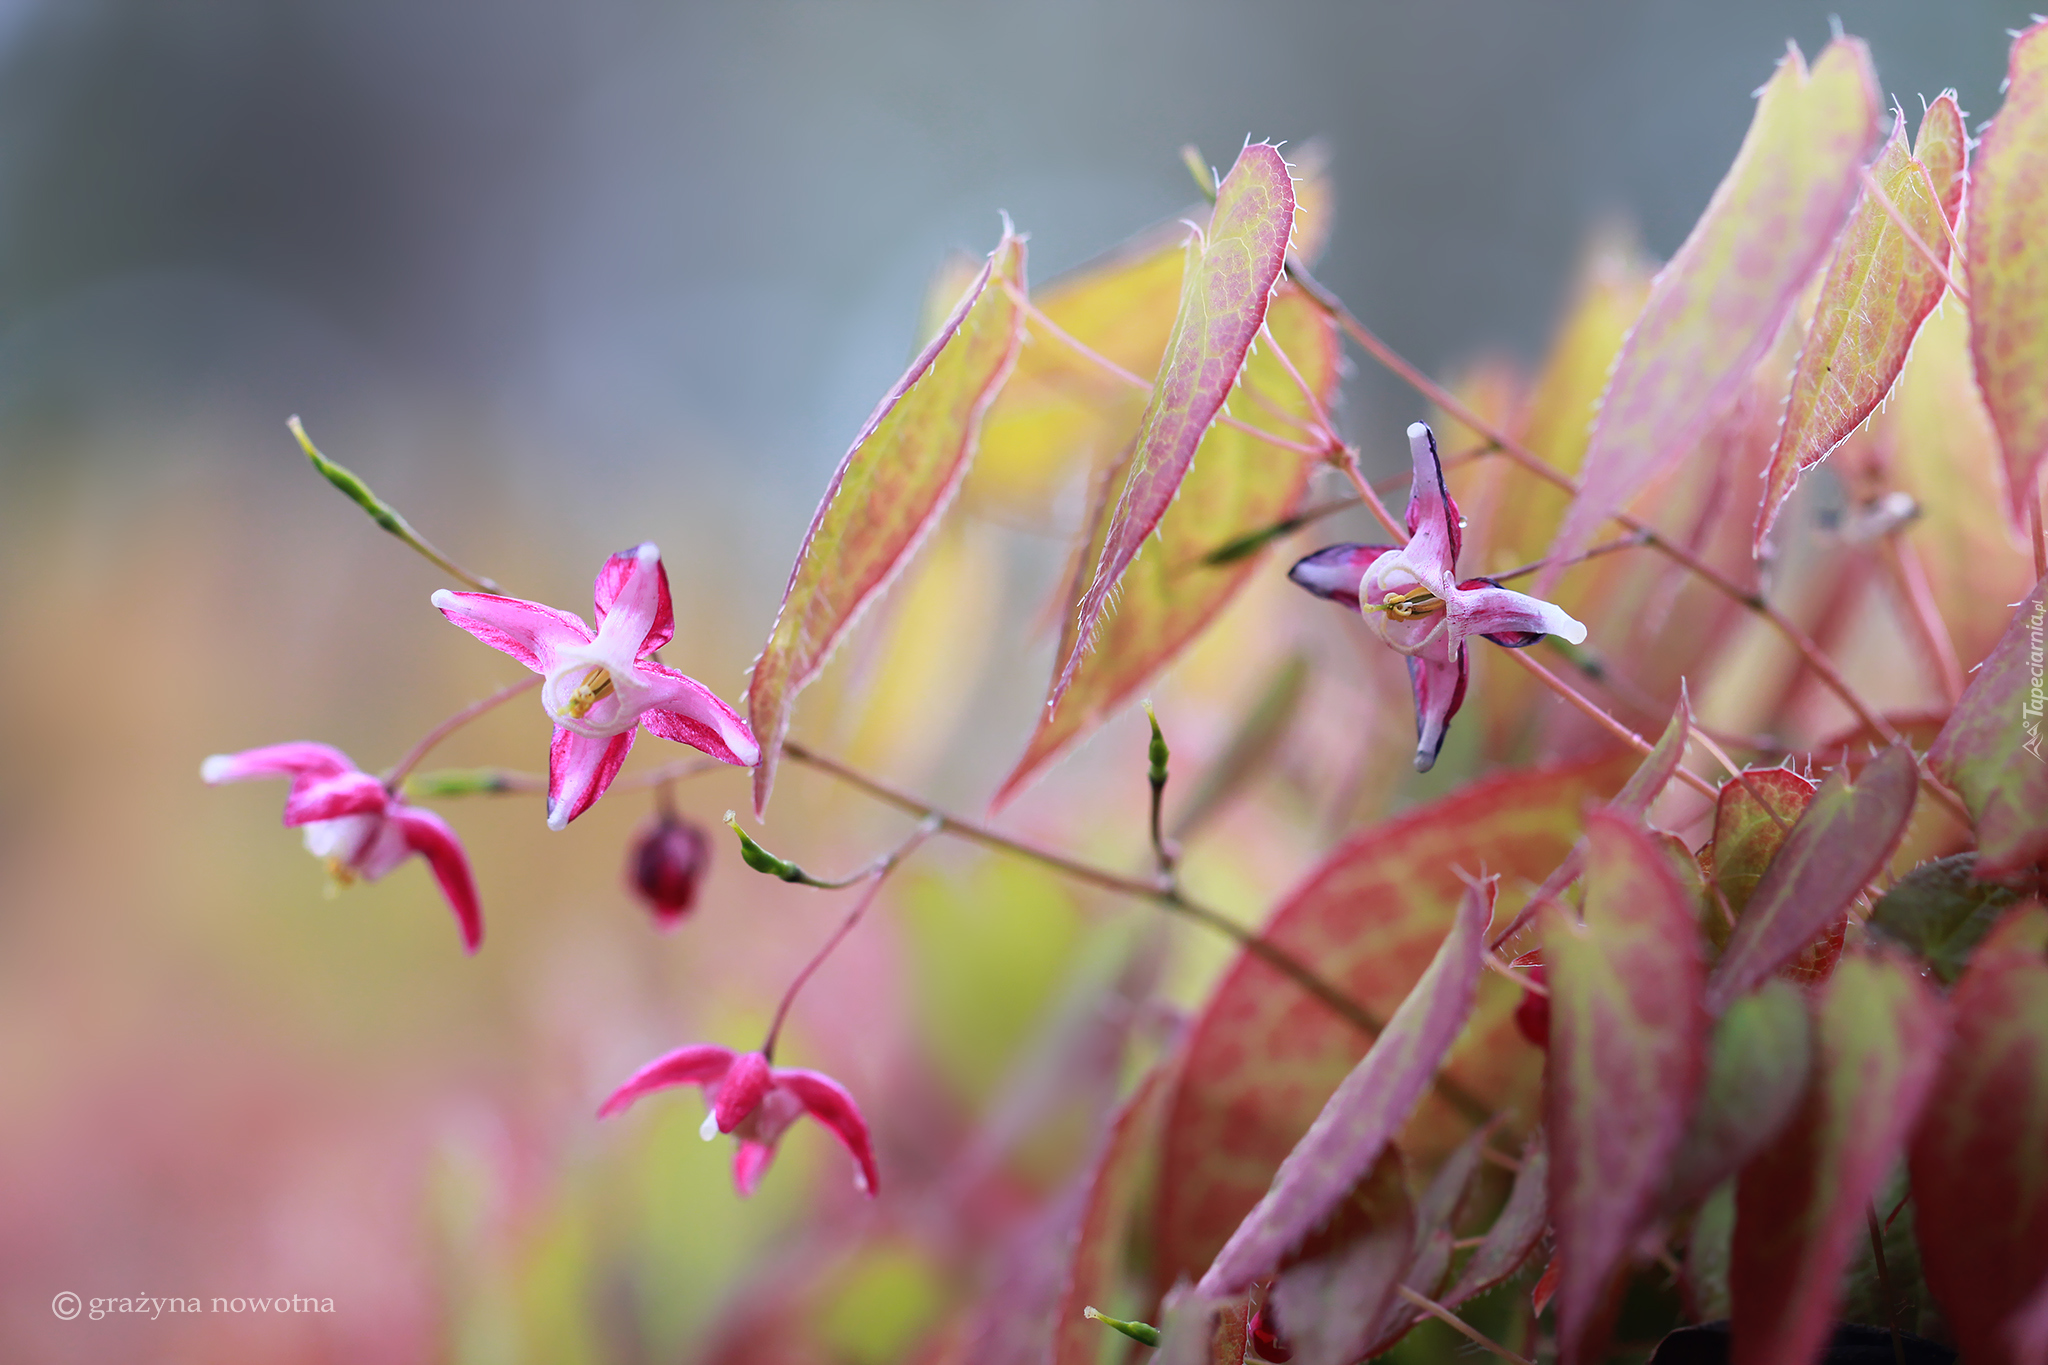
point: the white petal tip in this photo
(647, 552)
(215, 768)
(1575, 635)
(1424, 761)
(1418, 431)
(442, 599)
(709, 1128)
(557, 822)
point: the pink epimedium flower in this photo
(356, 825)
(756, 1103)
(601, 685)
(1413, 599)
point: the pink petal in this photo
(1335, 571)
(529, 631)
(830, 1104)
(739, 1094)
(329, 798)
(697, 1064)
(1439, 686)
(428, 835)
(688, 712)
(749, 1164)
(1432, 516)
(620, 575)
(300, 758)
(1484, 607)
(579, 769)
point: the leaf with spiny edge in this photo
(1991, 749)
(887, 494)
(1717, 308)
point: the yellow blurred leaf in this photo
(1237, 483)
(2009, 268)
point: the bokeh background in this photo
(557, 278)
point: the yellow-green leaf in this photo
(1229, 279)
(887, 494)
(1237, 484)
(2009, 268)
(1877, 291)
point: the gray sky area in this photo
(634, 233)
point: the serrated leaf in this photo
(1843, 840)
(1516, 1230)
(1979, 1159)
(1874, 295)
(1758, 1061)
(887, 494)
(2009, 268)
(1943, 147)
(1627, 1048)
(1262, 1057)
(1228, 283)
(1331, 1297)
(1059, 411)
(1991, 752)
(1939, 912)
(1715, 310)
(1878, 1035)
(1169, 595)
(1122, 1177)
(1369, 1107)
(1752, 816)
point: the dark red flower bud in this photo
(669, 858)
(1266, 1339)
(1532, 1016)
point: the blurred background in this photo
(557, 278)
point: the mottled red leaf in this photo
(2009, 268)
(1990, 751)
(1716, 309)
(1843, 840)
(1800, 1204)
(1627, 1048)
(1874, 295)
(1752, 816)
(1263, 1055)
(1980, 1157)
(1331, 1298)
(887, 494)
(1369, 1107)
(1230, 275)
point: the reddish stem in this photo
(451, 725)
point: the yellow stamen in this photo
(339, 877)
(596, 685)
(1409, 606)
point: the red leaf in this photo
(2009, 268)
(1752, 816)
(1122, 1177)
(1878, 1035)
(1716, 309)
(1845, 837)
(1372, 1104)
(1980, 1157)
(1990, 750)
(1627, 1049)
(1263, 1056)
(1516, 1229)
(1330, 1300)
(1229, 280)
(887, 494)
